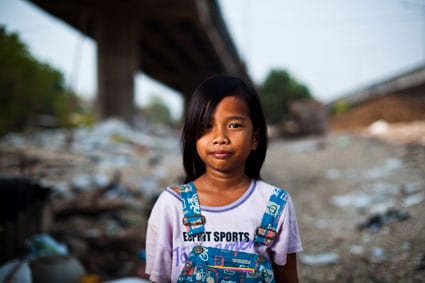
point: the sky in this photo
(332, 46)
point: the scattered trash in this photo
(378, 255)
(319, 259)
(378, 127)
(357, 250)
(411, 188)
(413, 199)
(54, 269)
(103, 182)
(380, 197)
(376, 222)
(44, 245)
(405, 246)
(420, 263)
(388, 167)
(333, 174)
(354, 199)
(90, 278)
(15, 271)
(306, 146)
(142, 254)
(129, 280)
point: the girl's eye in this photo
(235, 125)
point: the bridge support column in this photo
(116, 36)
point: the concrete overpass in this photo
(176, 42)
(411, 82)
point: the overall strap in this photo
(266, 232)
(193, 219)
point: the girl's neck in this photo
(220, 182)
(220, 190)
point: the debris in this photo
(129, 280)
(413, 199)
(420, 263)
(320, 259)
(308, 116)
(376, 222)
(15, 271)
(53, 269)
(45, 245)
(378, 255)
(388, 167)
(357, 250)
(354, 199)
(378, 127)
(343, 141)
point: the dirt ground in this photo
(391, 108)
(343, 180)
(368, 172)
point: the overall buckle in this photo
(194, 220)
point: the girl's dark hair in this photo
(201, 108)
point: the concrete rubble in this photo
(104, 180)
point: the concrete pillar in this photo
(116, 35)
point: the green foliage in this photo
(277, 91)
(340, 106)
(157, 112)
(28, 88)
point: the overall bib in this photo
(209, 264)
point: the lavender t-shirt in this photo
(230, 227)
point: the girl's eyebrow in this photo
(236, 118)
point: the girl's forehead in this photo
(231, 104)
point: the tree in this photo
(278, 89)
(28, 88)
(157, 112)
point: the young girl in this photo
(224, 143)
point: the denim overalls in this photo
(209, 264)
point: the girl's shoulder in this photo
(169, 196)
(267, 188)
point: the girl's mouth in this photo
(221, 154)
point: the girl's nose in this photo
(220, 137)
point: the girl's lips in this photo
(221, 154)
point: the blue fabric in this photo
(208, 264)
(193, 220)
(265, 234)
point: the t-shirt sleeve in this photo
(159, 241)
(288, 238)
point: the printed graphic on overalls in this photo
(279, 194)
(209, 276)
(188, 268)
(272, 208)
(204, 254)
(192, 204)
(185, 188)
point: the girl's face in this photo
(229, 138)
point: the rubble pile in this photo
(308, 117)
(104, 181)
(399, 133)
(395, 108)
